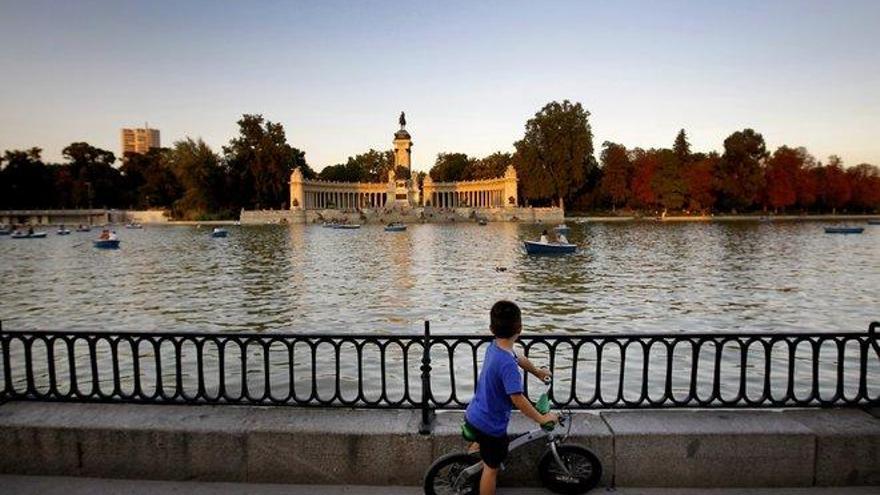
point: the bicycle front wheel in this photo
(445, 476)
(582, 470)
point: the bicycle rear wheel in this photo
(584, 470)
(444, 477)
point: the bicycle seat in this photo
(467, 432)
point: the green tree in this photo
(555, 156)
(372, 166)
(682, 148)
(489, 167)
(149, 179)
(260, 162)
(616, 174)
(341, 172)
(668, 182)
(451, 167)
(739, 175)
(202, 180)
(96, 183)
(25, 181)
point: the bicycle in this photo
(564, 468)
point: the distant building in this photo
(139, 140)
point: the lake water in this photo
(626, 277)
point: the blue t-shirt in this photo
(500, 378)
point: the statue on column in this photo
(402, 120)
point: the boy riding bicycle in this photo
(499, 389)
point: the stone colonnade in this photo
(318, 198)
(322, 195)
(490, 193)
(319, 195)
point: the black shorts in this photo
(493, 450)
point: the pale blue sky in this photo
(469, 74)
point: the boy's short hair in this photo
(505, 319)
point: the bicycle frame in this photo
(532, 436)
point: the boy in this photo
(499, 388)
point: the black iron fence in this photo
(431, 371)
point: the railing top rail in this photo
(443, 336)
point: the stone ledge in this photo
(706, 448)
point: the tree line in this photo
(556, 165)
(554, 160)
(189, 178)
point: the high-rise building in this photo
(139, 140)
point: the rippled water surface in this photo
(626, 277)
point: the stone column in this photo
(510, 187)
(297, 192)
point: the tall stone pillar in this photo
(297, 194)
(510, 181)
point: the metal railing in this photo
(431, 371)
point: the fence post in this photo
(872, 334)
(427, 412)
(4, 350)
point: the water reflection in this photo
(633, 277)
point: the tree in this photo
(834, 190)
(342, 172)
(668, 182)
(698, 175)
(682, 148)
(260, 162)
(450, 167)
(25, 181)
(555, 155)
(95, 181)
(202, 179)
(490, 167)
(150, 180)
(616, 174)
(740, 177)
(782, 172)
(644, 167)
(865, 182)
(806, 183)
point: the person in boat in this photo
(544, 238)
(112, 236)
(105, 235)
(30, 230)
(560, 238)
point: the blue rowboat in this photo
(107, 244)
(844, 230)
(549, 248)
(135, 226)
(563, 229)
(395, 227)
(25, 235)
(874, 222)
(216, 233)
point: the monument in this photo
(402, 198)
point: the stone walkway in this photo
(59, 485)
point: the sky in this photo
(468, 74)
